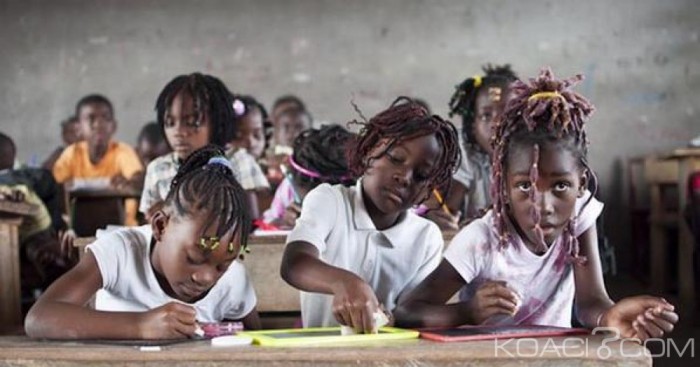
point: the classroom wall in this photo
(641, 59)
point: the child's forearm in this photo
(424, 314)
(590, 314)
(302, 269)
(59, 320)
(252, 321)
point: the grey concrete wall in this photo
(641, 59)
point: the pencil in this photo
(441, 201)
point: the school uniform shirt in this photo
(161, 171)
(393, 261)
(544, 282)
(129, 282)
(474, 172)
(120, 158)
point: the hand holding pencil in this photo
(443, 216)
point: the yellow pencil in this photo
(441, 202)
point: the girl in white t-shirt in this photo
(159, 281)
(530, 258)
(355, 248)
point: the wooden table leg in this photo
(10, 291)
(658, 242)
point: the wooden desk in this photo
(20, 351)
(11, 214)
(672, 169)
(95, 209)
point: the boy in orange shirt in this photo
(98, 156)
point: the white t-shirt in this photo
(544, 282)
(334, 219)
(129, 283)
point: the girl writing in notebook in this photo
(159, 280)
(354, 249)
(535, 253)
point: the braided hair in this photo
(463, 101)
(210, 96)
(205, 181)
(405, 120)
(319, 155)
(542, 111)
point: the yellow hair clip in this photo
(209, 243)
(543, 95)
(477, 81)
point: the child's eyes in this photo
(561, 186)
(193, 261)
(394, 159)
(524, 186)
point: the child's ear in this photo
(584, 183)
(158, 223)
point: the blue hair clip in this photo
(222, 161)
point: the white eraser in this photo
(198, 331)
(231, 341)
(380, 320)
(150, 348)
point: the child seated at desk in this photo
(354, 249)
(100, 157)
(41, 232)
(319, 157)
(479, 101)
(157, 281)
(194, 110)
(535, 253)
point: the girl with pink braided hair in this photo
(526, 261)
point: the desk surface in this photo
(105, 193)
(16, 208)
(21, 351)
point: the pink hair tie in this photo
(313, 174)
(238, 107)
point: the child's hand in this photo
(289, 219)
(641, 317)
(120, 182)
(354, 304)
(67, 239)
(13, 195)
(171, 321)
(492, 298)
(444, 220)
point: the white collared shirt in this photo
(334, 219)
(129, 283)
